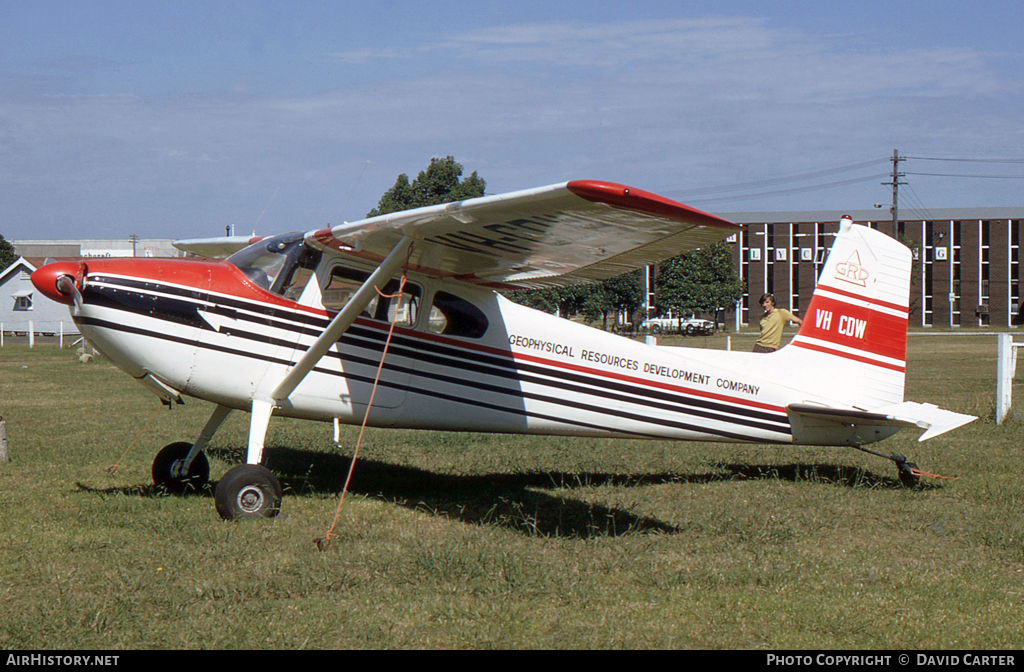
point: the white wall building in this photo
(23, 309)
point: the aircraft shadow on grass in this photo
(524, 502)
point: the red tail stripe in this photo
(857, 327)
(861, 297)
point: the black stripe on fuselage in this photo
(442, 355)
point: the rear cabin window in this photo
(451, 315)
(384, 306)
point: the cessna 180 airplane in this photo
(295, 325)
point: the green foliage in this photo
(594, 301)
(504, 542)
(564, 301)
(701, 281)
(623, 293)
(7, 255)
(439, 183)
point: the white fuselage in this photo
(529, 372)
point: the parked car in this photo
(673, 325)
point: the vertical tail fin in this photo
(851, 347)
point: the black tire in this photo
(907, 477)
(690, 329)
(248, 491)
(165, 469)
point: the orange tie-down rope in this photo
(924, 474)
(113, 468)
(323, 542)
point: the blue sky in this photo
(175, 119)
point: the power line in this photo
(784, 192)
(932, 158)
(989, 177)
(712, 193)
(801, 177)
(914, 203)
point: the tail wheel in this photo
(248, 491)
(168, 472)
(908, 473)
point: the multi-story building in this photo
(967, 262)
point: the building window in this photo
(23, 302)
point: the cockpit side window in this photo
(291, 281)
(452, 315)
(282, 264)
(341, 285)
(403, 310)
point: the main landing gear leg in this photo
(251, 490)
(180, 466)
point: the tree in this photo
(701, 281)
(621, 294)
(565, 301)
(7, 255)
(439, 183)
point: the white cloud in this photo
(666, 105)
(363, 56)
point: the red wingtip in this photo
(619, 195)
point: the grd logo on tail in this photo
(852, 271)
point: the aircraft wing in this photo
(217, 247)
(561, 234)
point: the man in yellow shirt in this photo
(772, 322)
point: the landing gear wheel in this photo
(248, 491)
(907, 470)
(167, 465)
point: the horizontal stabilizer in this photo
(929, 417)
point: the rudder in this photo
(853, 341)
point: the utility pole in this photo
(135, 239)
(895, 184)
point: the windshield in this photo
(281, 264)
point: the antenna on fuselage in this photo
(266, 206)
(352, 192)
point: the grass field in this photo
(451, 540)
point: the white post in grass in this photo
(1006, 366)
(4, 457)
(31, 335)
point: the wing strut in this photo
(263, 406)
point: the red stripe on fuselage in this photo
(212, 277)
(518, 356)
